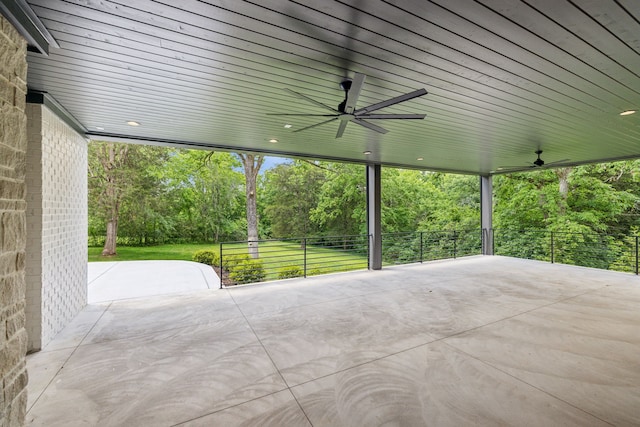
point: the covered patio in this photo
(483, 340)
(500, 86)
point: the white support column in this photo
(56, 223)
(374, 221)
(486, 214)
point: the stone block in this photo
(13, 354)
(15, 323)
(20, 96)
(6, 88)
(12, 189)
(7, 263)
(11, 33)
(13, 289)
(13, 225)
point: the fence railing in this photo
(289, 258)
(604, 251)
(309, 256)
(410, 247)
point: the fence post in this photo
(421, 246)
(221, 272)
(455, 244)
(304, 242)
(552, 248)
(636, 255)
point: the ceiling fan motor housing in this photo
(346, 85)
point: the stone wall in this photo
(56, 225)
(13, 145)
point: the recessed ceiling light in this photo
(273, 140)
(628, 112)
(132, 123)
(420, 158)
(99, 128)
(366, 152)
(287, 126)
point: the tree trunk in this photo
(563, 187)
(110, 241)
(111, 159)
(251, 164)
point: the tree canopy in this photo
(173, 195)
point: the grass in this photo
(182, 252)
(274, 254)
(319, 260)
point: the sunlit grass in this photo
(160, 252)
(274, 254)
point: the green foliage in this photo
(290, 271)
(125, 181)
(291, 191)
(316, 272)
(248, 271)
(207, 195)
(341, 206)
(229, 262)
(169, 195)
(207, 256)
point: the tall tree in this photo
(341, 208)
(291, 192)
(106, 175)
(206, 189)
(124, 179)
(251, 163)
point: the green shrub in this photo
(290, 271)
(229, 262)
(248, 271)
(315, 272)
(206, 256)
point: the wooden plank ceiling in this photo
(505, 78)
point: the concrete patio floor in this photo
(474, 341)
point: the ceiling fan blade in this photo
(514, 168)
(341, 128)
(302, 115)
(369, 125)
(311, 100)
(557, 162)
(392, 101)
(391, 116)
(317, 124)
(354, 93)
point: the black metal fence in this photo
(605, 251)
(289, 258)
(404, 248)
(309, 256)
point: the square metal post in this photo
(486, 214)
(374, 222)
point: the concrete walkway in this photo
(110, 281)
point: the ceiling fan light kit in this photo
(347, 112)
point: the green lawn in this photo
(159, 252)
(319, 260)
(274, 255)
